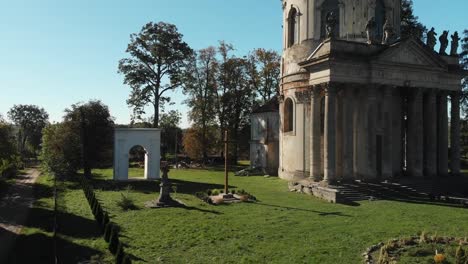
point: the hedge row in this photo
(110, 230)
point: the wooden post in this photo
(175, 151)
(226, 149)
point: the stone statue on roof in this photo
(443, 39)
(389, 32)
(370, 30)
(431, 38)
(330, 25)
(455, 44)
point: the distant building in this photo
(264, 144)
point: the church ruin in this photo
(359, 103)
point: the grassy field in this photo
(283, 227)
(79, 237)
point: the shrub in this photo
(105, 220)
(126, 259)
(120, 254)
(215, 192)
(126, 203)
(114, 240)
(108, 231)
(7, 169)
(209, 192)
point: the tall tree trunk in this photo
(156, 113)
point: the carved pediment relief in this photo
(411, 53)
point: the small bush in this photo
(108, 231)
(215, 192)
(209, 192)
(120, 253)
(126, 203)
(114, 240)
(105, 220)
(126, 259)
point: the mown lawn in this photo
(78, 239)
(283, 227)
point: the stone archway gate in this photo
(127, 138)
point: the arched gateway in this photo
(127, 138)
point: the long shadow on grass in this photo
(35, 248)
(304, 210)
(39, 248)
(149, 187)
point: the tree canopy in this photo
(30, 119)
(410, 26)
(464, 65)
(157, 55)
(86, 127)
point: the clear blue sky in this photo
(54, 53)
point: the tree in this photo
(61, 151)
(222, 88)
(200, 86)
(238, 98)
(157, 53)
(93, 123)
(170, 119)
(464, 65)
(410, 26)
(171, 134)
(192, 144)
(30, 119)
(264, 72)
(7, 143)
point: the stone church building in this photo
(357, 102)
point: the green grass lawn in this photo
(283, 227)
(78, 238)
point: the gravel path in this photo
(14, 208)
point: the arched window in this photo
(292, 27)
(288, 124)
(327, 7)
(379, 18)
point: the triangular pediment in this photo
(411, 52)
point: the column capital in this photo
(303, 97)
(330, 88)
(315, 90)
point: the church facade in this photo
(357, 102)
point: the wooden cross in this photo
(226, 164)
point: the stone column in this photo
(348, 131)
(397, 137)
(371, 139)
(442, 134)
(315, 134)
(455, 134)
(415, 142)
(339, 133)
(361, 134)
(387, 144)
(430, 134)
(330, 134)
